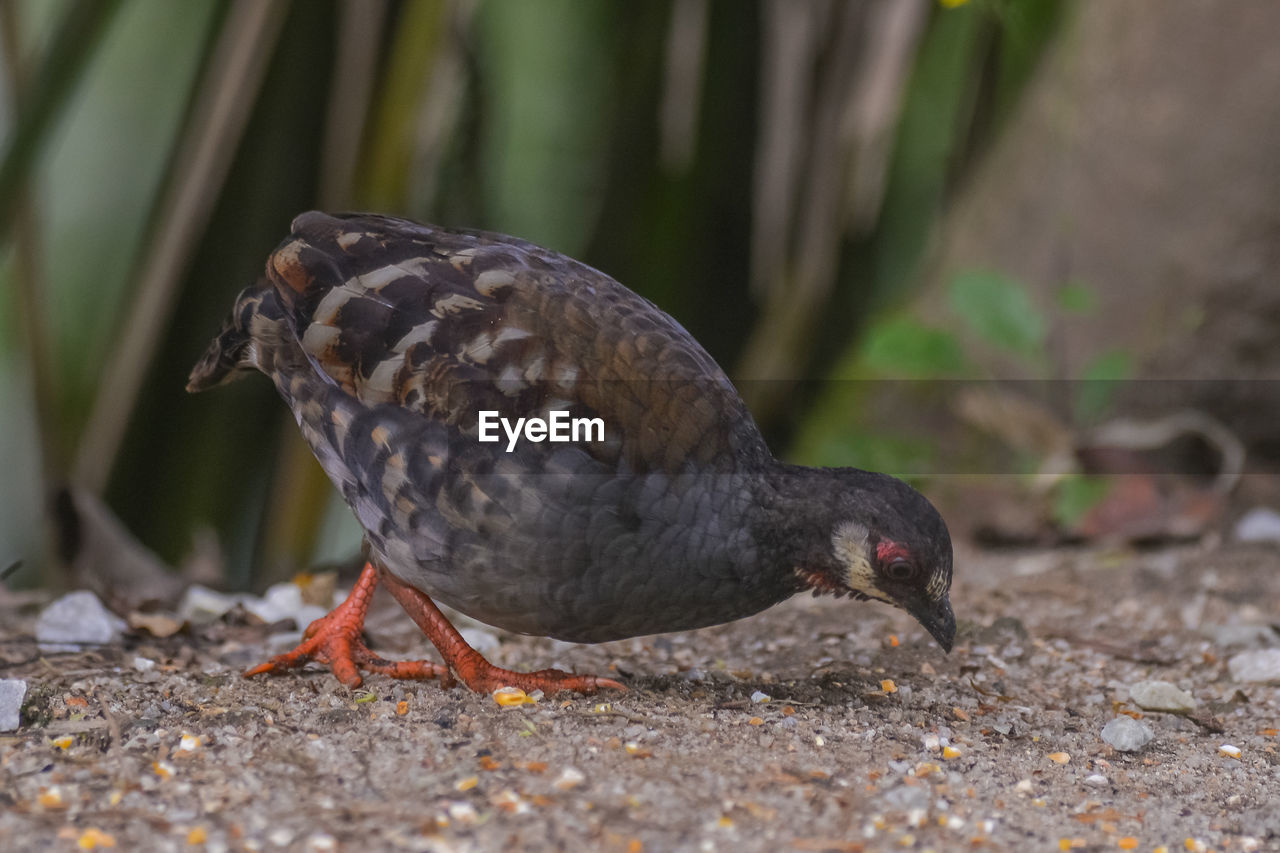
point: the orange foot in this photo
(335, 639)
(471, 667)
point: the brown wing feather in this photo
(447, 323)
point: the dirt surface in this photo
(871, 739)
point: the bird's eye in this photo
(900, 570)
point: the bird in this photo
(401, 347)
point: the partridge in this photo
(529, 442)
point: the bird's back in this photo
(388, 339)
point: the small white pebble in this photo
(321, 842)
(932, 742)
(955, 822)
(819, 740)
(463, 813)
(281, 836)
(988, 826)
(1229, 751)
(1097, 780)
(1023, 786)
(189, 743)
(142, 664)
(570, 777)
(760, 696)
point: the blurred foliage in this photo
(158, 151)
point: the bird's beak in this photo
(939, 621)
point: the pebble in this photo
(74, 620)
(760, 696)
(1243, 635)
(1161, 696)
(907, 798)
(12, 692)
(1260, 666)
(1260, 524)
(1127, 734)
(1097, 780)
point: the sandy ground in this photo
(870, 739)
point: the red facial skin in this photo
(887, 551)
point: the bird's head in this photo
(887, 542)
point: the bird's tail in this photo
(247, 339)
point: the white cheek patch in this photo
(849, 544)
(938, 587)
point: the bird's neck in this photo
(792, 523)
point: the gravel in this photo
(1260, 667)
(1162, 696)
(76, 620)
(1001, 745)
(12, 692)
(1127, 734)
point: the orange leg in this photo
(471, 667)
(335, 639)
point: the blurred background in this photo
(1021, 252)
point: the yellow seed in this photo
(50, 798)
(950, 752)
(468, 783)
(1059, 757)
(63, 742)
(197, 835)
(1128, 843)
(509, 697)
(888, 686)
(402, 707)
(756, 721)
(93, 838)
(725, 822)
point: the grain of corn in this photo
(64, 742)
(93, 838)
(1128, 843)
(510, 697)
(951, 752)
(50, 798)
(466, 784)
(1059, 757)
(1229, 751)
(402, 707)
(888, 686)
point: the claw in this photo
(335, 639)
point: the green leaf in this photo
(1075, 496)
(1077, 298)
(999, 310)
(1098, 383)
(904, 347)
